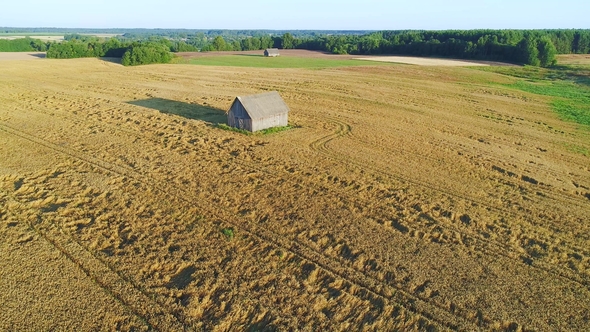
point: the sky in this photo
(298, 15)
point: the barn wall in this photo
(271, 54)
(280, 120)
(237, 117)
(231, 119)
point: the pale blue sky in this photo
(302, 14)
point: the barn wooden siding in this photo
(237, 117)
(258, 112)
(279, 120)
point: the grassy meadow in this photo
(259, 61)
(569, 85)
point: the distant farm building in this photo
(257, 112)
(271, 52)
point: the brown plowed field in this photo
(406, 198)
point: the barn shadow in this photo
(190, 111)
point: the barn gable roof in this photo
(272, 50)
(264, 105)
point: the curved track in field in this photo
(466, 236)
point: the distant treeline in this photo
(532, 47)
(184, 33)
(23, 45)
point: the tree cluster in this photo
(156, 50)
(146, 53)
(87, 48)
(23, 45)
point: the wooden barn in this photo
(272, 52)
(257, 112)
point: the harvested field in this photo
(573, 59)
(406, 198)
(43, 38)
(102, 35)
(21, 55)
(420, 61)
(52, 37)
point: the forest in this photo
(530, 47)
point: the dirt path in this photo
(406, 199)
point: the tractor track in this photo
(366, 286)
(371, 287)
(115, 284)
(346, 130)
(496, 247)
(311, 255)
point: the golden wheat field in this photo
(405, 198)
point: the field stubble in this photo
(408, 198)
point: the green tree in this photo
(547, 52)
(71, 49)
(38, 45)
(369, 45)
(114, 48)
(287, 41)
(146, 53)
(235, 46)
(266, 42)
(246, 44)
(581, 42)
(529, 54)
(22, 45)
(255, 43)
(219, 44)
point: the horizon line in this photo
(297, 29)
